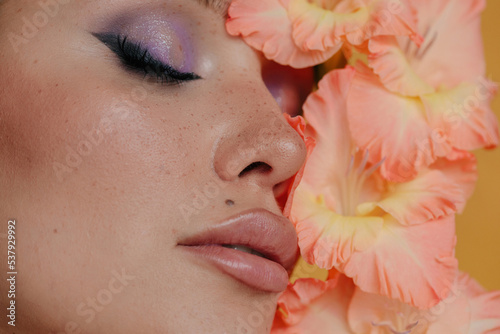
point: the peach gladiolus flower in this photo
(303, 33)
(394, 239)
(435, 96)
(311, 306)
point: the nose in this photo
(260, 147)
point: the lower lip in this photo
(252, 270)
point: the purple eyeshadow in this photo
(167, 40)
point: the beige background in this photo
(478, 229)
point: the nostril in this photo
(258, 166)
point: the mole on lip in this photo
(230, 202)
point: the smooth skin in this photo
(105, 171)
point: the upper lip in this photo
(269, 234)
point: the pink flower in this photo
(303, 33)
(337, 306)
(394, 239)
(435, 97)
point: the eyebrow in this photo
(219, 6)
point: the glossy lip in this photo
(269, 234)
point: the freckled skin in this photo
(90, 205)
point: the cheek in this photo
(65, 131)
(89, 159)
(95, 168)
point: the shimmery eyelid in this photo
(168, 39)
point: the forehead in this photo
(218, 6)
(100, 12)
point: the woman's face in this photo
(123, 188)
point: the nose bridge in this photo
(259, 136)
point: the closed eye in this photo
(138, 59)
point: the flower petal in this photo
(325, 25)
(438, 191)
(325, 312)
(485, 307)
(297, 297)
(387, 18)
(367, 312)
(391, 64)
(452, 315)
(414, 264)
(312, 26)
(391, 127)
(461, 168)
(299, 124)
(326, 238)
(325, 111)
(468, 309)
(464, 115)
(431, 195)
(444, 59)
(264, 25)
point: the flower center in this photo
(326, 4)
(388, 325)
(352, 185)
(416, 54)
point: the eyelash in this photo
(138, 59)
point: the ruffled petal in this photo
(369, 313)
(321, 306)
(390, 63)
(468, 309)
(414, 264)
(461, 168)
(485, 307)
(299, 124)
(325, 113)
(464, 116)
(438, 191)
(387, 18)
(443, 59)
(326, 238)
(313, 28)
(295, 300)
(431, 195)
(320, 26)
(392, 128)
(452, 315)
(264, 25)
